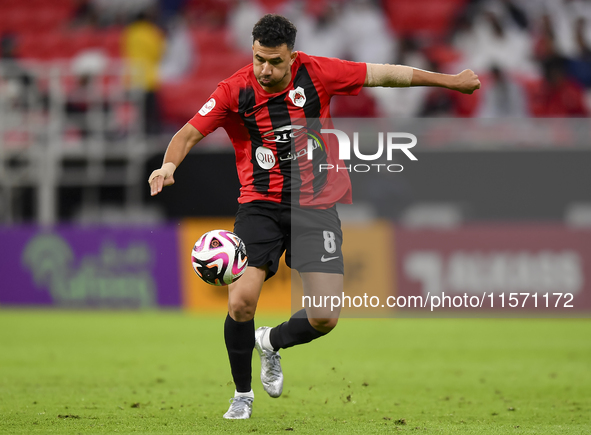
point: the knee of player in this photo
(324, 324)
(241, 309)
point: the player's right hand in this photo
(161, 177)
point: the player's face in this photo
(272, 66)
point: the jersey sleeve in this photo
(214, 112)
(340, 77)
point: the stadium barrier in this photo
(478, 269)
(532, 269)
(90, 267)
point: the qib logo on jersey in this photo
(298, 96)
(265, 157)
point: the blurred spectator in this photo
(516, 13)
(320, 29)
(464, 39)
(438, 101)
(559, 96)
(114, 12)
(502, 97)
(143, 45)
(16, 82)
(180, 55)
(403, 102)
(241, 20)
(171, 9)
(489, 40)
(563, 16)
(508, 38)
(368, 37)
(545, 43)
(580, 66)
(87, 67)
(532, 9)
(85, 15)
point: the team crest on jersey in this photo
(207, 107)
(298, 96)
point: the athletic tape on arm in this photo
(390, 76)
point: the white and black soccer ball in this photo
(219, 257)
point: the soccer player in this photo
(284, 198)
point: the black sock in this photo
(297, 330)
(239, 338)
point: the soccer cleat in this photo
(240, 408)
(271, 373)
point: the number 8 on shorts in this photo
(329, 242)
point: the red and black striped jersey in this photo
(270, 132)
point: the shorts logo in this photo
(207, 107)
(325, 259)
(265, 157)
(298, 96)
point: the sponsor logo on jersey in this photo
(288, 133)
(301, 153)
(207, 107)
(283, 134)
(298, 97)
(265, 157)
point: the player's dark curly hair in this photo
(274, 30)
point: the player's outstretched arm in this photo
(392, 76)
(178, 148)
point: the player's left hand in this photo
(466, 82)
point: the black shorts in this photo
(311, 238)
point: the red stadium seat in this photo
(442, 54)
(28, 47)
(26, 18)
(212, 12)
(63, 44)
(431, 18)
(466, 106)
(50, 18)
(218, 60)
(272, 5)
(111, 42)
(57, 45)
(8, 4)
(532, 88)
(43, 46)
(180, 101)
(362, 105)
(85, 39)
(221, 67)
(32, 6)
(4, 24)
(214, 41)
(15, 20)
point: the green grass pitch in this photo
(167, 372)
